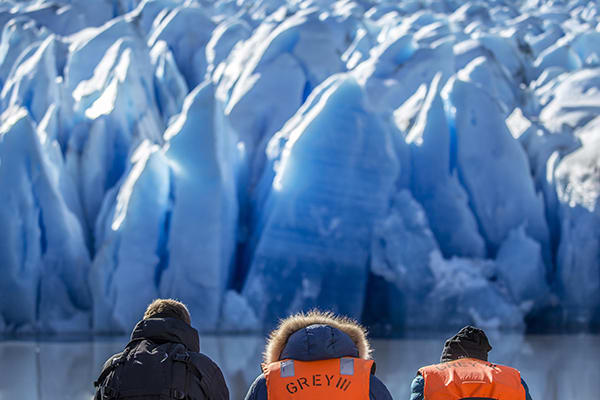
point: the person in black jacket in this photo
(317, 336)
(162, 361)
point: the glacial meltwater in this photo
(555, 367)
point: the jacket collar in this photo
(167, 330)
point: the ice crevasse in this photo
(410, 164)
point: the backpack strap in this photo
(179, 374)
(112, 392)
(109, 391)
(110, 368)
(182, 376)
(116, 362)
(204, 385)
(206, 380)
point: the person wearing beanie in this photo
(465, 373)
(162, 361)
(318, 355)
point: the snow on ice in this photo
(411, 164)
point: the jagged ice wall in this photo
(412, 164)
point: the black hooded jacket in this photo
(146, 365)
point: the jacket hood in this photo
(316, 336)
(162, 330)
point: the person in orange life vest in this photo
(318, 356)
(464, 373)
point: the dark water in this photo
(562, 367)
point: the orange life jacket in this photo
(469, 378)
(333, 379)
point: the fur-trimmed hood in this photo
(317, 335)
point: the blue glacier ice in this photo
(45, 261)
(578, 189)
(520, 267)
(400, 275)
(115, 110)
(33, 84)
(281, 65)
(17, 35)
(574, 100)
(464, 286)
(186, 30)
(560, 55)
(89, 46)
(435, 182)
(397, 68)
(169, 85)
(408, 163)
(413, 286)
(501, 192)
(132, 242)
(316, 222)
(148, 12)
(494, 80)
(225, 37)
(179, 244)
(505, 51)
(63, 18)
(204, 211)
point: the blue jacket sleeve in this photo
(417, 388)
(258, 389)
(377, 390)
(527, 395)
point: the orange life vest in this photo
(333, 379)
(469, 378)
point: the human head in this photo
(163, 308)
(468, 342)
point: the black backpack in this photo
(148, 370)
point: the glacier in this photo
(411, 164)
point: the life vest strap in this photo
(346, 366)
(287, 368)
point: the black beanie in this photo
(468, 342)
